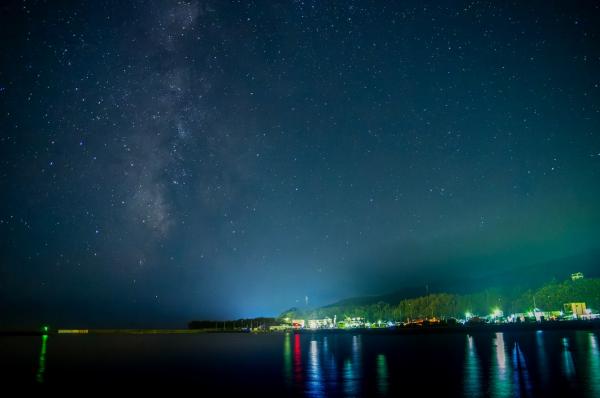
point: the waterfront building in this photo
(518, 317)
(539, 315)
(577, 309)
(576, 276)
(279, 328)
(325, 323)
(355, 322)
(298, 323)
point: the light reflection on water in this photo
(330, 365)
(319, 377)
(522, 383)
(382, 375)
(287, 360)
(568, 365)
(322, 365)
(550, 363)
(297, 360)
(352, 369)
(501, 383)
(472, 371)
(593, 378)
(41, 370)
(541, 357)
(314, 381)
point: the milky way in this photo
(169, 160)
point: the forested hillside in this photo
(550, 296)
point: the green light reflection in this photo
(39, 376)
(352, 373)
(287, 359)
(382, 375)
(593, 366)
(472, 371)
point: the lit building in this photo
(279, 328)
(576, 276)
(540, 315)
(354, 322)
(298, 323)
(326, 323)
(577, 309)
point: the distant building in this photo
(355, 322)
(518, 317)
(298, 323)
(326, 323)
(539, 315)
(279, 328)
(545, 315)
(578, 310)
(576, 276)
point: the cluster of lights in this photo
(496, 313)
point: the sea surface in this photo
(515, 364)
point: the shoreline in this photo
(485, 328)
(432, 329)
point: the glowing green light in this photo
(468, 315)
(39, 376)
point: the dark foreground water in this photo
(528, 364)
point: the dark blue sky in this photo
(163, 161)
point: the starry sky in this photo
(162, 161)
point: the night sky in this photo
(163, 161)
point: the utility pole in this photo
(427, 295)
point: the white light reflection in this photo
(501, 383)
(568, 365)
(314, 378)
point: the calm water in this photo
(542, 364)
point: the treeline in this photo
(236, 324)
(549, 297)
